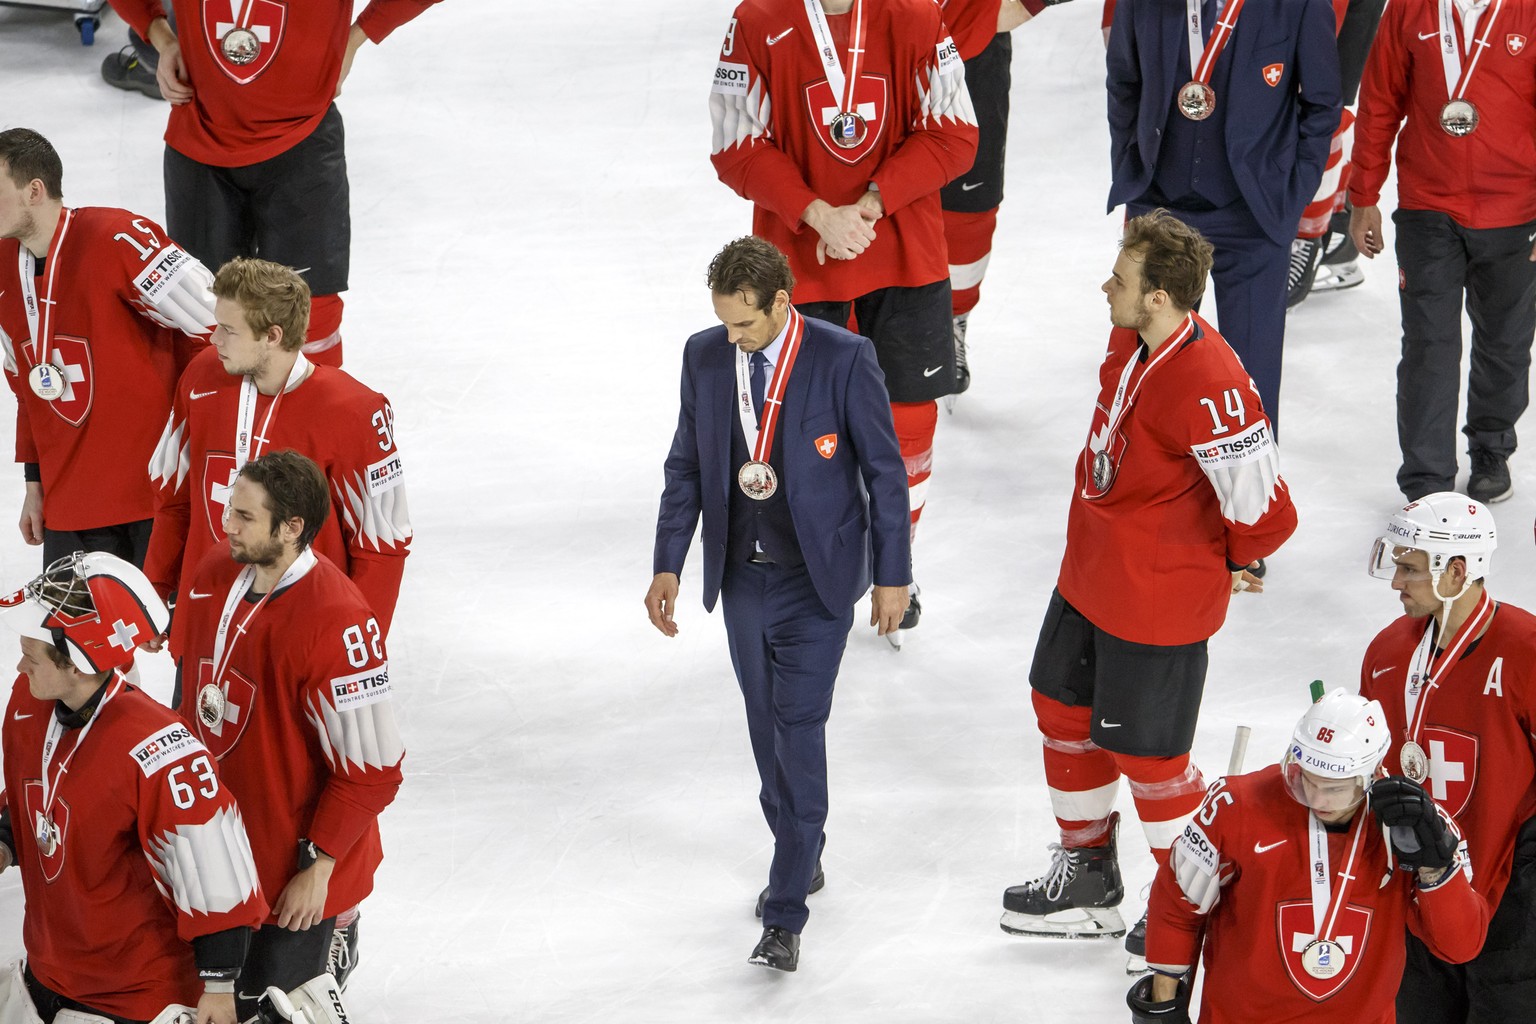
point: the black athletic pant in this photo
(282, 959)
(1439, 261)
(1498, 986)
(128, 541)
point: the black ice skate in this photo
(910, 619)
(1075, 899)
(1136, 947)
(962, 364)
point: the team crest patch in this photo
(1273, 73)
(158, 749)
(72, 356)
(1452, 767)
(826, 445)
(58, 829)
(244, 35)
(1296, 932)
(224, 711)
(871, 102)
(1514, 43)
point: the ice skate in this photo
(909, 620)
(1075, 899)
(962, 365)
(1136, 947)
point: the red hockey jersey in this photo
(1483, 180)
(243, 113)
(1193, 480)
(329, 417)
(307, 739)
(1240, 875)
(119, 361)
(151, 853)
(1476, 731)
(772, 105)
(972, 23)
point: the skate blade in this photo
(895, 638)
(1136, 965)
(949, 404)
(1332, 282)
(1078, 923)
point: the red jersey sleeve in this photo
(381, 17)
(26, 447)
(368, 489)
(1189, 885)
(139, 13)
(1383, 105)
(193, 836)
(170, 470)
(1450, 917)
(346, 699)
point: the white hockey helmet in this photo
(91, 605)
(1342, 736)
(1443, 525)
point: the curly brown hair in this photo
(1173, 256)
(751, 266)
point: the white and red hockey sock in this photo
(1167, 791)
(324, 342)
(1083, 778)
(915, 424)
(969, 236)
(1330, 191)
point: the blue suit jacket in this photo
(847, 509)
(1277, 135)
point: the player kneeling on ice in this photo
(1300, 877)
(140, 887)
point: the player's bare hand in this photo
(845, 231)
(1245, 581)
(301, 904)
(171, 76)
(870, 206)
(887, 607)
(1365, 230)
(32, 514)
(155, 644)
(217, 1008)
(661, 602)
(355, 39)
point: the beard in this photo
(264, 552)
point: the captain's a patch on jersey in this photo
(1199, 850)
(730, 79)
(162, 272)
(159, 749)
(1253, 443)
(384, 475)
(349, 693)
(949, 56)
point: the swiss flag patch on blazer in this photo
(826, 445)
(1272, 73)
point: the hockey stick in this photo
(1239, 750)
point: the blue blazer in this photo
(849, 510)
(1277, 135)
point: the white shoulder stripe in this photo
(363, 736)
(207, 868)
(172, 458)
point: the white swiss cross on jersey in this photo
(1452, 766)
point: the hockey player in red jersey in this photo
(283, 664)
(255, 391)
(1288, 877)
(1457, 677)
(255, 162)
(1178, 497)
(140, 888)
(99, 313)
(841, 120)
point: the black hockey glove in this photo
(1145, 1011)
(1420, 836)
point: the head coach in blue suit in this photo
(1233, 144)
(785, 443)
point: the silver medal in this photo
(1322, 959)
(1103, 471)
(240, 46)
(848, 130)
(757, 480)
(1415, 764)
(47, 836)
(1197, 101)
(47, 381)
(1459, 118)
(210, 705)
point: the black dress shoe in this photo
(817, 884)
(778, 948)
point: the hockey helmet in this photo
(1343, 736)
(1443, 525)
(91, 605)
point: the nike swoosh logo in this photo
(195, 395)
(774, 39)
(1379, 671)
(18, 716)
(1105, 724)
(194, 595)
(1262, 848)
(930, 373)
(966, 186)
(1531, 237)
(1429, 35)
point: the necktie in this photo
(759, 363)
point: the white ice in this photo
(578, 838)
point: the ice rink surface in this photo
(578, 838)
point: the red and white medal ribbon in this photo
(1203, 57)
(245, 417)
(1425, 669)
(1125, 395)
(759, 430)
(842, 83)
(1457, 78)
(223, 643)
(1327, 904)
(51, 747)
(40, 313)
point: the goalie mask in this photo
(1335, 752)
(93, 606)
(1444, 525)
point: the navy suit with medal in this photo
(1242, 176)
(838, 521)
